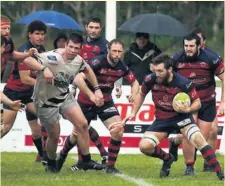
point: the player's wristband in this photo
(96, 87)
(43, 69)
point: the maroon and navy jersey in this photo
(201, 72)
(106, 76)
(93, 48)
(162, 95)
(14, 82)
(9, 48)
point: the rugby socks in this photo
(190, 163)
(51, 163)
(67, 147)
(96, 140)
(113, 151)
(38, 143)
(161, 154)
(210, 157)
(86, 158)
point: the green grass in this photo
(19, 169)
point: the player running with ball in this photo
(170, 116)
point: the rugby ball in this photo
(182, 98)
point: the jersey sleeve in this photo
(83, 66)
(189, 88)
(217, 65)
(129, 76)
(147, 84)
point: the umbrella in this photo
(158, 24)
(52, 19)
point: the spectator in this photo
(139, 56)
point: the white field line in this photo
(138, 181)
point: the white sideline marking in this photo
(138, 181)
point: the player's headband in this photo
(5, 24)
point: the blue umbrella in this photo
(52, 19)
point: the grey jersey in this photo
(64, 73)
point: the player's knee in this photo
(82, 126)
(195, 136)
(214, 131)
(116, 130)
(148, 143)
(36, 135)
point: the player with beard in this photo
(212, 140)
(9, 52)
(199, 66)
(94, 45)
(108, 69)
(171, 116)
(57, 69)
(20, 86)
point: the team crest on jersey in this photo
(51, 57)
(52, 60)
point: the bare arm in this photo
(22, 55)
(79, 81)
(134, 91)
(134, 88)
(26, 78)
(90, 76)
(15, 105)
(137, 103)
(33, 64)
(5, 99)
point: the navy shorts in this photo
(24, 96)
(105, 112)
(207, 112)
(171, 125)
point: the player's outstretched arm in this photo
(134, 91)
(15, 105)
(22, 55)
(79, 81)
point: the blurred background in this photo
(207, 15)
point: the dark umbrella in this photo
(52, 19)
(158, 24)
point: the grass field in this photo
(19, 169)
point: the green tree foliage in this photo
(209, 15)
